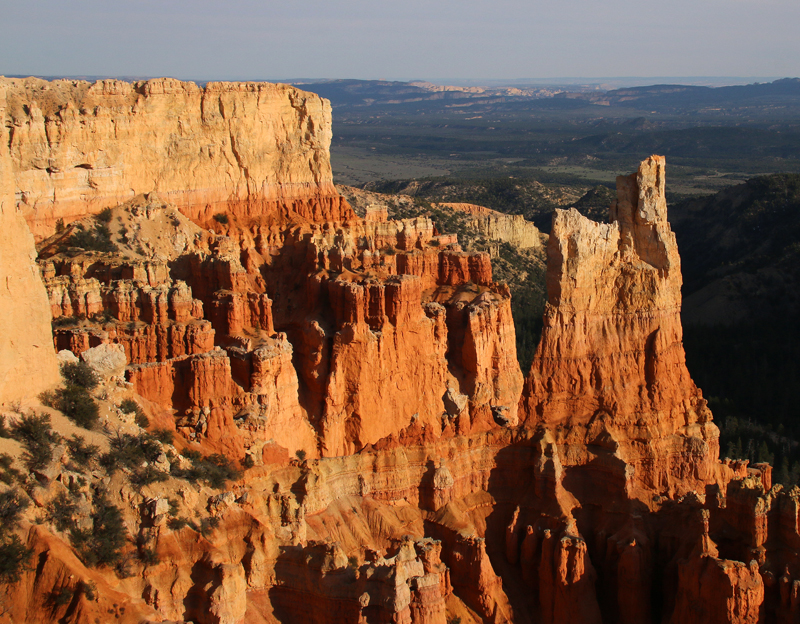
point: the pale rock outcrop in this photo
(27, 358)
(497, 226)
(248, 149)
(107, 360)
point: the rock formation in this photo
(611, 359)
(27, 360)
(245, 149)
(497, 226)
(400, 468)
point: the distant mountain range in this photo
(681, 99)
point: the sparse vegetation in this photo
(97, 238)
(81, 452)
(61, 511)
(79, 406)
(129, 406)
(104, 216)
(13, 553)
(8, 474)
(221, 218)
(214, 470)
(80, 374)
(37, 436)
(103, 544)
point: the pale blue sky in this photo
(411, 39)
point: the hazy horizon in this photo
(601, 83)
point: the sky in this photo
(437, 40)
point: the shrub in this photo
(103, 544)
(147, 475)
(13, 554)
(104, 216)
(221, 218)
(36, 435)
(61, 597)
(81, 452)
(87, 588)
(63, 321)
(214, 470)
(96, 239)
(80, 374)
(13, 559)
(176, 524)
(164, 436)
(77, 404)
(11, 507)
(149, 556)
(8, 474)
(5, 432)
(191, 454)
(135, 453)
(61, 511)
(74, 486)
(130, 451)
(208, 525)
(129, 406)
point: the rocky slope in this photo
(362, 374)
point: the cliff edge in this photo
(253, 150)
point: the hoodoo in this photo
(322, 416)
(611, 359)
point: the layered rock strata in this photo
(328, 337)
(246, 149)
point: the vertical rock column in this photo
(27, 358)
